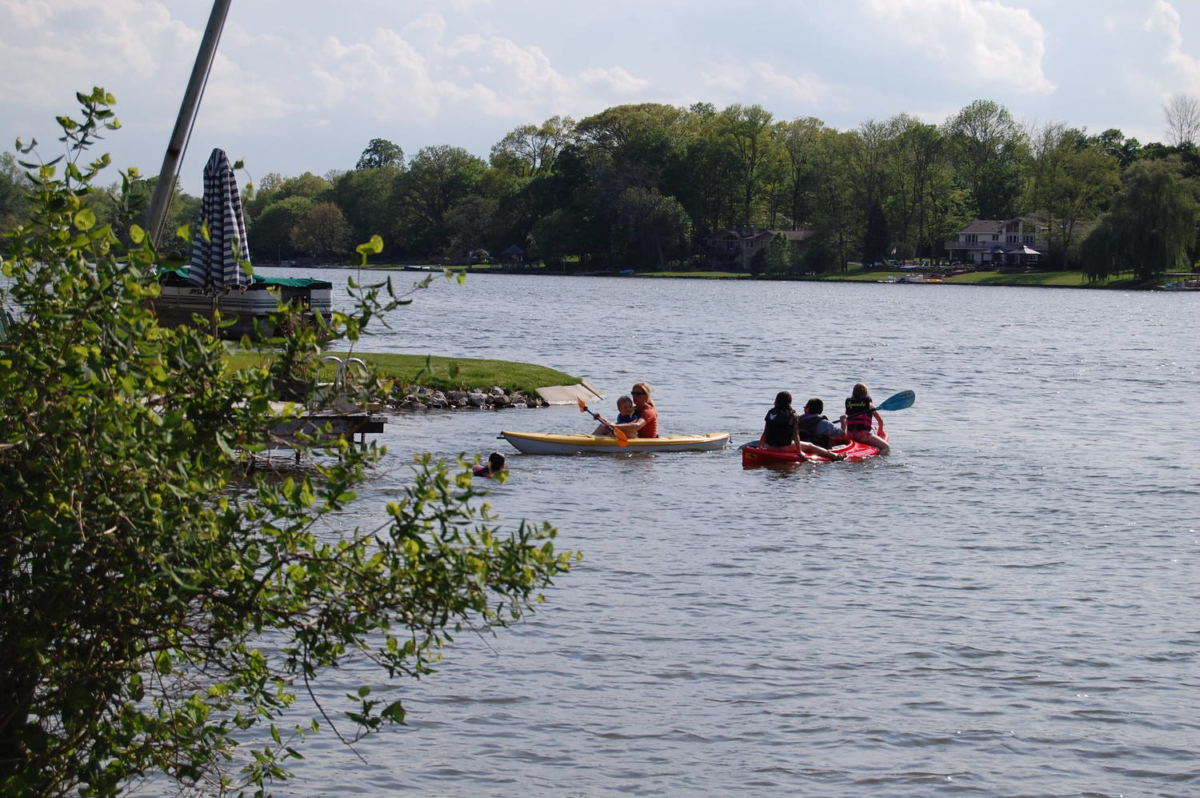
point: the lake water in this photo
(1008, 605)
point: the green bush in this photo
(162, 604)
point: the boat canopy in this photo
(181, 273)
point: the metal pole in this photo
(165, 187)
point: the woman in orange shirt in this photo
(645, 414)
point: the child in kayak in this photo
(645, 415)
(780, 432)
(495, 464)
(625, 415)
(860, 413)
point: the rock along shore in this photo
(420, 398)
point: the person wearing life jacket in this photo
(645, 414)
(780, 432)
(816, 428)
(625, 415)
(859, 418)
(495, 464)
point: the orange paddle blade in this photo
(622, 438)
(583, 408)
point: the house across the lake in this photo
(1000, 243)
(734, 249)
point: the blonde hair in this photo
(644, 388)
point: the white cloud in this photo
(86, 42)
(617, 80)
(1165, 19)
(29, 15)
(980, 40)
(760, 77)
(419, 73)
(383, 76)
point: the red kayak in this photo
(754, 457)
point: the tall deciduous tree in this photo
(986, 147)
(797, 143)
(920, 179)
(1150, 226)
(1113, 142)
(875, 237)
(747, 130)
(650, 227)
(365, 197)
(321, 232)
(380, 154)
(163, 607)
(1071, 180)
(271, 233)
(472, 224)
(837, 223)
(530, 150)
(1182, 112)
(436, 179)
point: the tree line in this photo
(644, 185)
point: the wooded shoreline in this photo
(1037, 279)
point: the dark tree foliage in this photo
(735, 167)
(381, 154)
(987, 147)
(1150, 227)
(875, 239)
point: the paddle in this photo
(898, 401)
(622, 438)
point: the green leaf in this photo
(136, 234)
(85, 219)
(372, 247)
(394, 712)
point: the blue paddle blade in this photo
(898, 401)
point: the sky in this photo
(303, 86)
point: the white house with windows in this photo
(1001, 243)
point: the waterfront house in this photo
(1005, 244)
(734, 249)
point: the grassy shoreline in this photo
(435, 371)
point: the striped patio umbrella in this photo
(217, 255)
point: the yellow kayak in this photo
(579, 443)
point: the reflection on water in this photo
(1005, 606)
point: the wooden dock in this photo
(295, 421)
